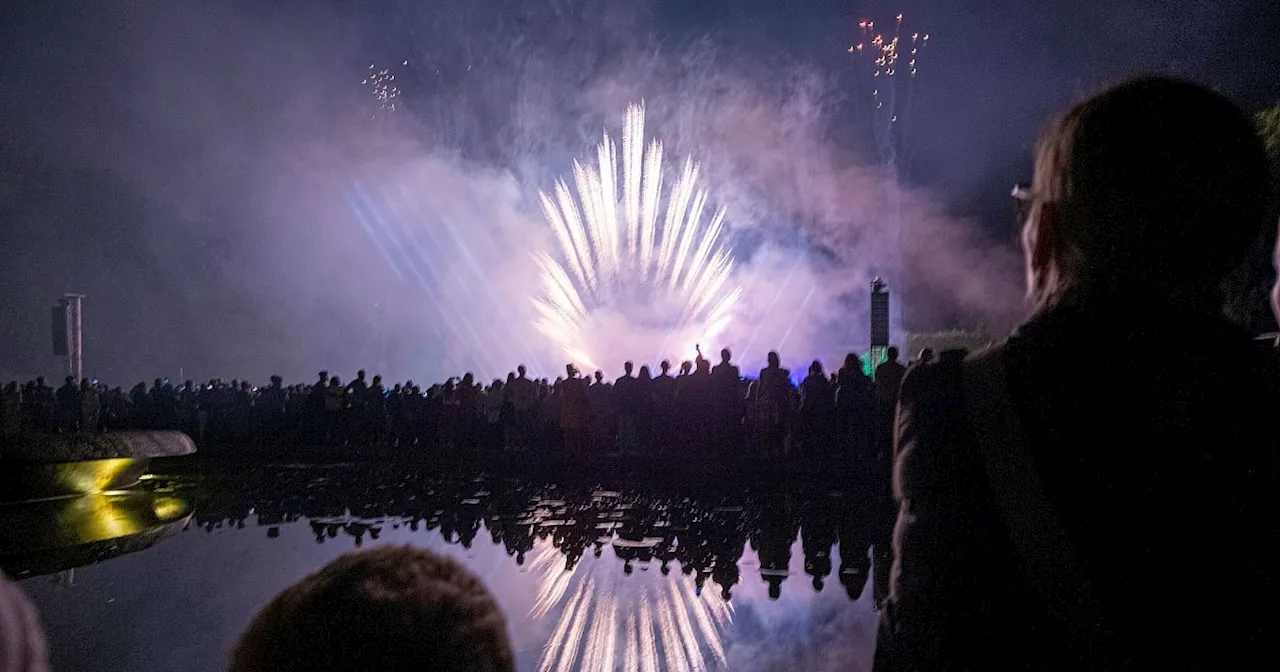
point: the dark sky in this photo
(144, 146)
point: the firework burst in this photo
(381, 83)
(891, 60)
(657, 263)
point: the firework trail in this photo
(891, 81)
(658, 262)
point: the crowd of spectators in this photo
(701, 410)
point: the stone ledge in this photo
(58, 448)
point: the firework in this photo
(382, 84)
(884, 51)
(891, 61)
(657, 262)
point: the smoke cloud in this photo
(290, 224)
(811, 219)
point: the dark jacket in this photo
(1154, 435)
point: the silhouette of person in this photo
(523, 394)
(854, 398)
(774, 395)
(727, 404)
(644, 407)
(889, 376)
(684, 414)
(335, 406)
(357, 389)
(43, 406)
(1052, 489)
(68, 397)
(888, 382)
(550, 409)
(90, 407)
(574, 411)
(664, 408)
(696, 402)
(817, 403)
(375, 409)
(603, 415)
(626, 394)
(467, 401)
(316, 414)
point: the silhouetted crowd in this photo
(701, 410)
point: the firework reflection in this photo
(665, 625)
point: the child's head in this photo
(388, 608)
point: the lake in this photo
(592, 572)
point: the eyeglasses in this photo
(1023, 199)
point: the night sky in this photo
(157, 156)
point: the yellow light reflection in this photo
(49, 535)
(169, 508)
(72, 521)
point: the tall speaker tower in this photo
(879, 324)
(68, 333)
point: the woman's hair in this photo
(1157, 183)
(388, 608)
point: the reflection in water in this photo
(50, 535)
(670, 576)
(701, 528)
(669, 618)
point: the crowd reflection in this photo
(700, 531)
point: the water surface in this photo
(592, 574)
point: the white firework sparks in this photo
(660, 627)
(659, 263)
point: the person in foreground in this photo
(390, 608)
(1098, 491)
(22, 642)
